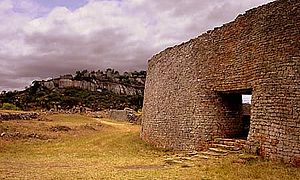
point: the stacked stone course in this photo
(6, 116)
(193, 90)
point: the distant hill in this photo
(96, 90)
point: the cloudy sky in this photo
(45, 38)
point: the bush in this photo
(8, 106)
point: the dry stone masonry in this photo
(127, 114)
(6, 116)
(193, 92)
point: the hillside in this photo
(96, 90)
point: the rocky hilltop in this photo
(95, 90)
(127, 84)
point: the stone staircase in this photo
(225, 146)
(229, 144)
(219, 148)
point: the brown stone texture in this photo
(6, 116)
(193, 90)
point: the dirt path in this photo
(110, 123)
(123, 126)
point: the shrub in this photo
(8, 106)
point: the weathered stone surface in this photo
(128, 84)
(5, 116)
(92, 86)
(127, 114)
(186, 102)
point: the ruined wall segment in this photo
(186, 103)
(8, 116)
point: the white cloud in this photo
(118, 34)
(5, 5)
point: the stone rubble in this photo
(5, 116)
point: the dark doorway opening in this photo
(235, 113)
(246, 114)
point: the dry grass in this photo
(86, 148)
(12, 111)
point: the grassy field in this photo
(79, 147)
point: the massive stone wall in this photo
(193, 90)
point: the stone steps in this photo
(226, 140)
(230, 142)
(222, 147)
(218, 150)
(226, 147)
(211, 153)
(231, 145)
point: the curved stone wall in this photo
(185, 103)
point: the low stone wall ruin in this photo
(127, 115)
(5, 116)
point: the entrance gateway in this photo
(236, 114)
(194, 90)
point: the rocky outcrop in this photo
(112, 81)
(93, 90)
